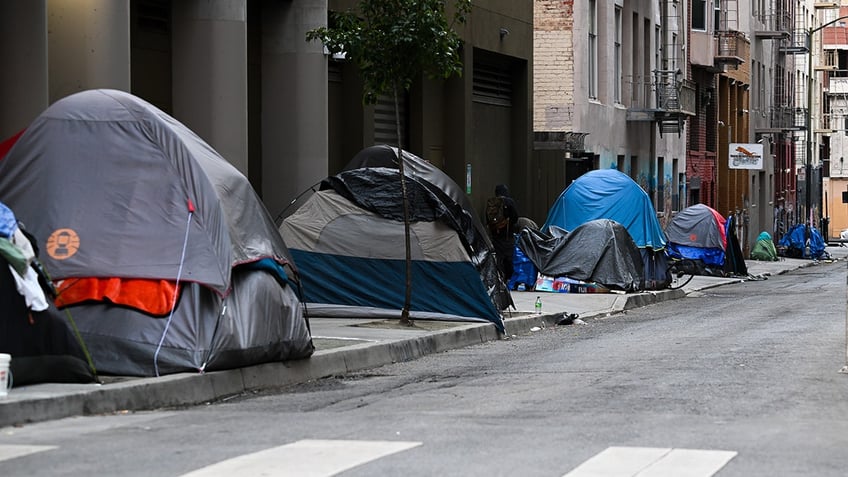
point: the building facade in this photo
(663, 90)
(241, 74)
(611, 91)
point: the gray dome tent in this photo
(123, 195)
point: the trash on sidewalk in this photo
(567, 319)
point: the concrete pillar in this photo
(89, 45)
(23, 88)
(209, 45)
(294, 101)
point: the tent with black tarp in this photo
(348, 240)
(599, 251)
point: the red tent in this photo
(6, 145)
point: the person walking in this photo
(502, 223)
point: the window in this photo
(658, 46)
(618, 78)
(699, 15)
(593, 49)
(718, 24)
(672, 55)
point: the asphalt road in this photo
(739, 380)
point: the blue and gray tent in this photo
(347, 239)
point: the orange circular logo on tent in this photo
(62, 244)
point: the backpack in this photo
(496, 217)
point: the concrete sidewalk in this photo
(343, 346)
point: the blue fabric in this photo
(608, 194)
(380, 283)
(271, 266)
(796, 239)
(8, 223)
(710, 256)
(523, 270)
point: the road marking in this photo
(12, 451)
(305, 458)
(653, 462)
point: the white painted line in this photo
(12, 451)
(305, 458)
(653, 462)
(689, 463)
(618, 462)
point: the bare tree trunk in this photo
(407, 301)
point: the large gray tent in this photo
(123, 195)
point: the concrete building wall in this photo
(88, 46)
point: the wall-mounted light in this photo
(504, 32)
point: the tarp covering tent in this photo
(599, 251)
(40, 339)
(474, 233)
(764, 249)
(697, 233)
(611, 194)
(137, 211)
(348, 240)
(794, 242)
(700, 234)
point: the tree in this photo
(394, 43)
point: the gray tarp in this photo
(599, 251)
(113, 180)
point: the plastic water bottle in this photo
(538, 305)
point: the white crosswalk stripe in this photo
(653, 462)
(12, 451)
(305, 458)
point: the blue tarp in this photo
(523, 270)
(608, 194)
(795, 242)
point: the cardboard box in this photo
(545, 283)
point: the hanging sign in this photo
(745, 156)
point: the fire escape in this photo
(730, 43)
(674, 94)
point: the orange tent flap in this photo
(152, 296)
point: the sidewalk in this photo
(342, 346)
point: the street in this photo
(737, 380)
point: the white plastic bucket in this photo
(5, 374)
